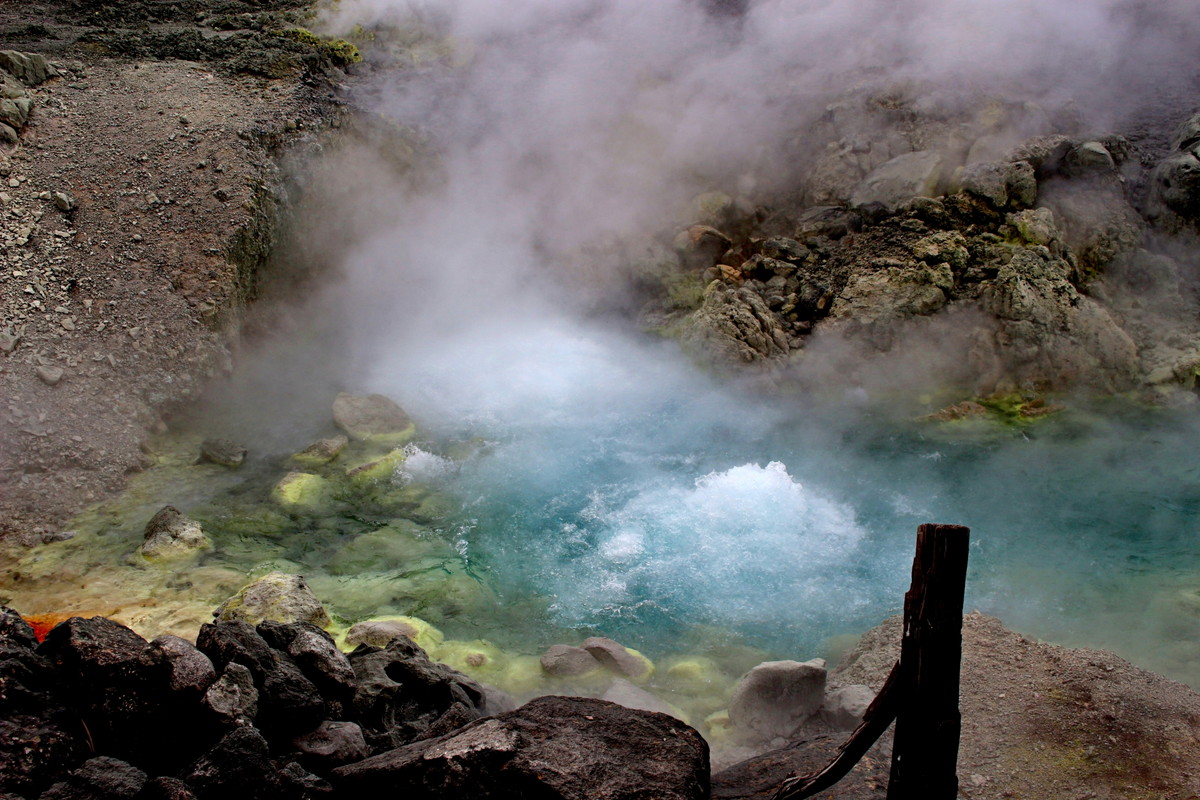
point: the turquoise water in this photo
(634, 496)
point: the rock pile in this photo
(277, 711)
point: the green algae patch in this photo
(301, 491)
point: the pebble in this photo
(13, 183)
(64, 201)
(50, 375)
(8, 342)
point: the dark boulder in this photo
(401, 693)
(164, 788)
(100, 778)
(236, 642)
(330, 745)
(551, 748)
(239, 765)
(189, 671)
(289, 703)
(119, 688)
(315, 653)
(36, 751)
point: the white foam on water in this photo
(420, 466)
(730, 548)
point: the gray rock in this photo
(777, 697)
(1004, 184)
(617, 658)
(1089, 157)
(170, 535)
(225, 452)
(844, 708)
(555, 748)
(332, 744)
(29, 68)
(233, 697)
(899, 180)
(51, 376)
(190, 670)
(564, 661)
(277, 596)
(370, 416)
(15, 111)
(8, 134)
(624, 693)
(63, 201)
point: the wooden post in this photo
(925, 748)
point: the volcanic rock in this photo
(239, 765)
(332, 744)
(233, 698)
(99, 778)
(315, 653)
(191, 672)
(552, 747)
(401, 693)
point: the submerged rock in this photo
(170, 535)
(564, 661)
(225, 452)
(321, 451)
(277, 596)
(552, 747)
(619, 659)
(382, 632)
(301, 491)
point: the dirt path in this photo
(123, 306)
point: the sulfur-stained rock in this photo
(170, 536)
(321, 451)
(301, 491)
(276, 596)
(383, 631)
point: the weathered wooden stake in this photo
(925, 749)
(921, 693)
